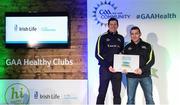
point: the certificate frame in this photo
(125, 62)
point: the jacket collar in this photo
(112, 33)
(137, 43)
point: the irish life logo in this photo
(105, 10)
(17, 94)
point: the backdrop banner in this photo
(159, 21)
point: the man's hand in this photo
(111, 69)
(138, 71)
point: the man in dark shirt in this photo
(142, 74)
(107, 45)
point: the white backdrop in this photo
(159, 21)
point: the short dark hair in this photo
(113, 19)
(135, 28)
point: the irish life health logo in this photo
(17, 94)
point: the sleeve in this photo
(122, 44)
(99, 51)
(124, 51)
(151, 59)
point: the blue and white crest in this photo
(103, 11)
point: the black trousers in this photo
(105, 77)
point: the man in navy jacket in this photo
(107, 45)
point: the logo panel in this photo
(17, 93)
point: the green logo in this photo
(17, 94)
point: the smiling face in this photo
(113, 25)
(135, 35)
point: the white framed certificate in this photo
(126, 62)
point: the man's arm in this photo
(151, 59)
(99, 51)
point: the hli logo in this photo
(17, 93)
